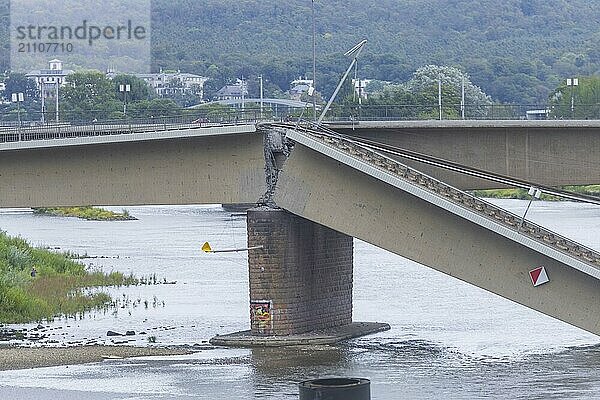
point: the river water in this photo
(448, 338)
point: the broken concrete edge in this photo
(324, 337)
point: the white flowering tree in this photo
(424, 86)
(418, 98)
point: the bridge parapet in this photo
(466, 205)
(68, 130)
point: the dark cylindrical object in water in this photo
(336, 389)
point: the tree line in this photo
(517, 51)
(92, 96)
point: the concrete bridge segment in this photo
(192, 166)
(333, 192)
(550, 153)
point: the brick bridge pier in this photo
(300, 283)
(302, 275)
(301, 279)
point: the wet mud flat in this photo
(12, 357)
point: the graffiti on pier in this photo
(261, 316)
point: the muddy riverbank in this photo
(12, 358)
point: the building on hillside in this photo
(237, 91)
(55, 74)
(163, 83)
(298, 87)
(172, 83)
(49, 81)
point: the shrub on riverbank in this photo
(591, 190)
(59, 287)
(85, 212)
(502, 193)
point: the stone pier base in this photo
(301, 280)
(322, 337)
(300, 283)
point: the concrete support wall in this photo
(301, 280)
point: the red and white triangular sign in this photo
(539, 276)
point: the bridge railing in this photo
(35, 126)
(411, 112)
(456, 196)
(35, 130)
(26, 117)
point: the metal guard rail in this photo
(459, 197)
(64, 131)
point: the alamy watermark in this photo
(81, 33)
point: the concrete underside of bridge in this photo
(191, 170)
(550, 153)
(336, 196)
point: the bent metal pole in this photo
(356, 51)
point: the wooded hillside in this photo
(515, 50)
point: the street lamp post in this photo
(572, 83)
(261, 96)
(56, 86)
(18, 98)
(462, 98)
(359, 84)
(124, 89)
(440, 95)
(43, 98)
(535, 193)
(243, 94)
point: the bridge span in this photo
(318, 189)
(125, 165)
(550, 152)
(354, 190)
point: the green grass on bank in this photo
(591, 190)
(59, 287)
(520, 194)
(85, 212)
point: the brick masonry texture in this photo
(304, 270)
